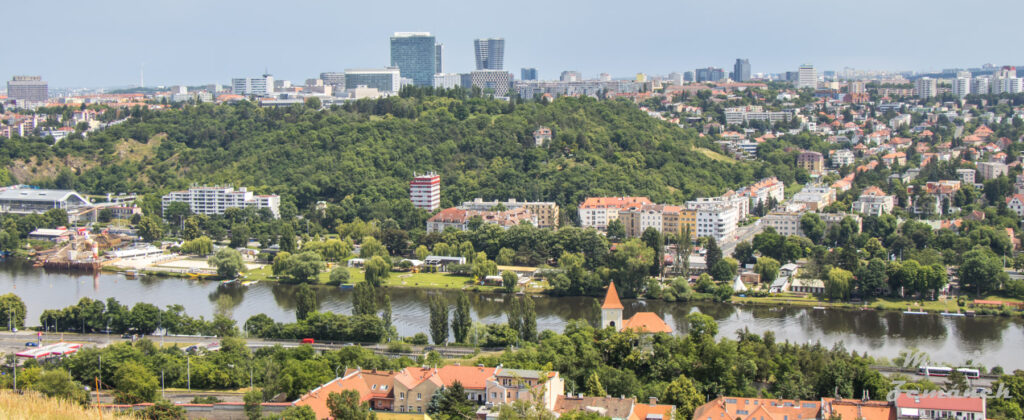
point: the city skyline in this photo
(199, 51)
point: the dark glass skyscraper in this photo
(528, 73)
(490, 53)
(741, 70)
(415, 55)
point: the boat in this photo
(131, 274)
(346, 286)
(952, 314)
(229, 281)
(915, 312)
(250, 282)
(820, 308)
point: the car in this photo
(307, 341)
(126, 335)
(31, 344)
(191, 349)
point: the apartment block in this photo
(459, 219)
(715, 219)
(874, 202)
(990, 170)
(811, 161)
(966, 175)
(215, 200)
(841, 158)
(784, 222)
(596, 212)
(546, 212)
(425, 191)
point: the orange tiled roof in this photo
(645, 411)
(646, 322)
(471, 377)
(611, 299)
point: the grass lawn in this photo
(713, 155)
(395, 279)
(879, 303)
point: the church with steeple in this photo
(640, 322)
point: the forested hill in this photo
(368, 151)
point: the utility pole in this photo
(188, 371)
(163, 389)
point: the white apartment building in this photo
(447, 80)
(425, 191)
(925, 87)
(258, 86)
(743, 114)
(874, 202)
(815, 197)
(966, 175)
(989, 170)
(806, 77)
(784, 222)
(962, 86)
(760, 191)
(215, 200)
(842, 157)
(980, 85)
(716, 220)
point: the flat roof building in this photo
(215, 200)
(28, 88)
(388, 79)
(415, 54)
(19, 199)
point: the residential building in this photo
(990, 170)
(676, 219)
(925, 88)
(806, 77)
(255, 86)
(786, 223)
(496, 82)
(841, 158)
(528, 73)
(939, 407)
(640, 322)
(874, 202)
(636, 220)
(541, 136)
(415, 55)
(761, 191)
(425, 191)
(710, 74)
(615, 408)
(741, 70)
(966, 175)
(744, 114)
(894, 158)
(716, 219)
(597, 212)
(20, 199)
(215, 200)
(811, 161)
(812, 286)
(387, 79)
(459, 218)
(731, 408)
(28, 88)
(961, 87)
(490, 53)
(570, 76)
(546, 212)
(980, 86)
(1016, 204)
(447, 80)
(831, 219)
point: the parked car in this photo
(307, 341)
(31, 344)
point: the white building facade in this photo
(215, 200)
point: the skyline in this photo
(192, 42)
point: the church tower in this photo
(611, 310)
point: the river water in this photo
(989, 341)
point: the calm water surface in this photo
(988, 340)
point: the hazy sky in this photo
(103, 43)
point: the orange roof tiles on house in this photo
(413, 376)
(369, 385)
(944, 403)
(646, 323)
(648, 411)
(614, 202)
(755, 408)
(611, 299)
(471, 377)
(856, 409)
(983, 131)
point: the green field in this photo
(396, 279)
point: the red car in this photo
(307, 341)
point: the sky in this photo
(105, 43)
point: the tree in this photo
(150, 229)
(451, 403)
(134, 383)
(701, 326)
(714, 253)
(346, 406)
(192, 229)
(630, 265)
(522, 317)
(838, 284)
(593, 386)
(239, 235)
(287, 241)
(12, 311)
(509, 280)
(616, 231)
(163, 410)
(724, 270)
(505, 256)
(339, 275)
(364, 299)
(305, 267)
(981, 270)
(461, 321)
(422, 252)
(744, 252)
(386, 315)
(299, 412)
(305, 302)
(199, 246)
(871, 278)
(682, 393)
(371, 247)
(653, 239)
(438, 319)
(812, 227)
(767, 268)
(254, 404)
(228, 262)
(377, 269)
(58, 383)
(482, 267)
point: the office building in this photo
(385, 80)
(710, 74)
(806, 77)
(715, 219)
(438, 53)
(570, 76)
(336, 79)
(528, 73)
(447, 80)
(27, 88)
(19, 199)
(925, 87)
(688, 76)
(215, 200)
(741, 70)
(255, 86)
(425, 191)
(415, 55)
(490, 53)
(546, 212)
(496, 82)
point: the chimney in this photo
(653, 400)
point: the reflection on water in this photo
(990, 340)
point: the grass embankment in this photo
(34, 406)
(888, 304)
(397, 279)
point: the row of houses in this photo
(906, 406)
(542, 214)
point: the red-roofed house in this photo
(374, 387)
(596, 212)
(640, 322)
(1016, 204)
(940, 407)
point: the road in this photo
(889, 372)
(743, 233)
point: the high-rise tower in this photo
(490, 53)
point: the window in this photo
(419, 396)
(401, 396)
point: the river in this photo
(989, 341)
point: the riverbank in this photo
(883, 304)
